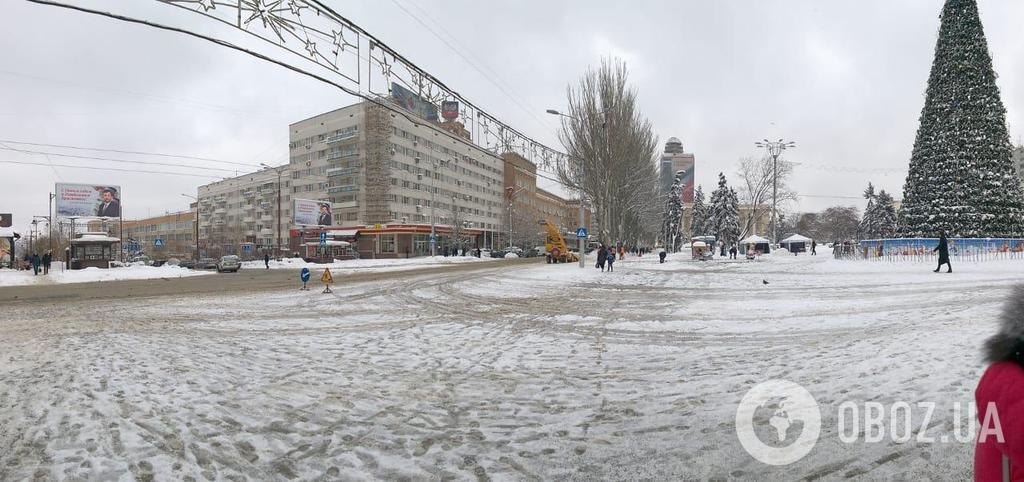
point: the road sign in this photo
(327, 279)
(246, 248)
(323, 239)
(433, 238)
(581, 232)
(158, 242)
(378, 227)
(304, 276)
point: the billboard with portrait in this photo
(88, 201)
(412, 102)
(311, 213)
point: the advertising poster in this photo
(412, 102)
(311, 213)
(88, 201)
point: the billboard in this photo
(311, 213)
(450, 109)
(88, 201)
(688, 173)
(5, 220)
(408, 100)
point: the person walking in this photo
(814, 245)
(732, 252)
(661, 255)
(622, 251)
(999, 448)
(602, 253)
(47, 259)
(266, 260)
(35, 263)
(943, 250)
(611, 259)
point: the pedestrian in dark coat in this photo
(35, 263)
(814, 247)
(47, 259)
(266, 260)
(1000, 441)
(602, 255)
(732, 252)
(611, 260)
(661, 256)
(943, 249)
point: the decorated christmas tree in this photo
(962, 180)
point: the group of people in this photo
(40, 262)
(607, 255)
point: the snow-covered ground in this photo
(542, 372)
(358, 265)
(89, 275)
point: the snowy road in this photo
(528, 372)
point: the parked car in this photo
(206, 263)
(229, 263)
(532, 253)
(498, 253)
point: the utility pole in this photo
(775, 149)
(195, 224)
(512, 193)
(49, 222)
(277, 234)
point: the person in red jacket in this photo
(999, 450)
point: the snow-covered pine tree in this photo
(672, 224)
(730, 228)
(868, 223)
(885, 216)
(725, 214)
(699, 223)
(961, 179)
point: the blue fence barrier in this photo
(922, 249)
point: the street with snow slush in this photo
(496, 371)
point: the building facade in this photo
(396, 175)
(240, 215)
(673, 161)
(175, 232)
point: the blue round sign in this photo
(304, 274)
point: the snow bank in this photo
(398, 264)
(89, 275)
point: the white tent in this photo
(796, 243)
(757, 243)
(796, 238)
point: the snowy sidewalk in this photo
(91, 275)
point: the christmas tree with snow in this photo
(962, 180)
(725, 216)
(672, 225)
(699, 225)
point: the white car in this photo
(229, 263)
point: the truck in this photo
(555, 247)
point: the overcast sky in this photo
(845, 80)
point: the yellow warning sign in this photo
(326, 278)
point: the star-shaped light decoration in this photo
(296, 7)
(265, 10)
(339, 41)
(207, 5)
(311, 48)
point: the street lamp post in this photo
(195, 223)
(277, 233)
(512, 193)
(49, 222)
(775, 149)
(583, 173)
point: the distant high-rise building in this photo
(674, 160)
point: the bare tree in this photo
(611, 151)
(755, 190)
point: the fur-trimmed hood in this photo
(1008, 342)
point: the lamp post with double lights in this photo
(512, 193)
(583, 170)
(775, 149)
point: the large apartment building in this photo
(240, 215)
(394, 174)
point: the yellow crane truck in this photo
(554, 244)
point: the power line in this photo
(95, 168)
(60, 146)
(126, 161)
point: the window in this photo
(387, 243)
